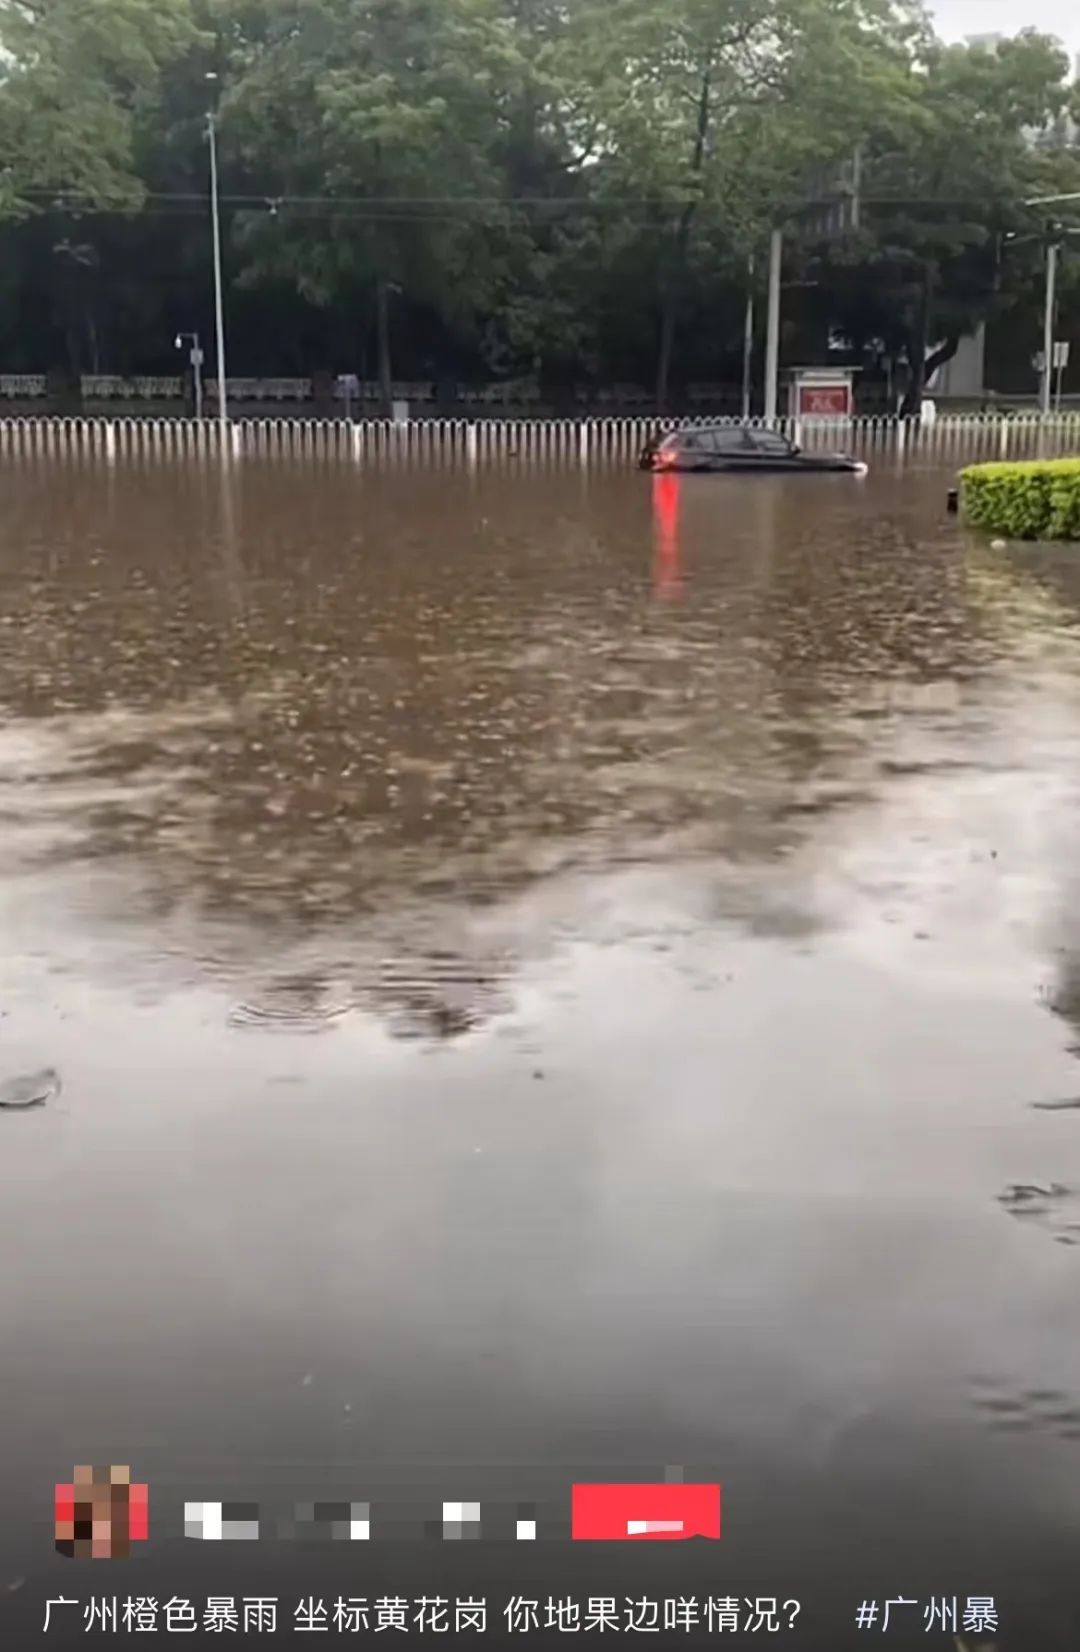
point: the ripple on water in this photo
(1027, 1410)
(291, 1007)
(1051, 1206)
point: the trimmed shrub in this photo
(1031, 499)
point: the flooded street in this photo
(550, 974)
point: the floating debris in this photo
(1072, 1103)
(30, 1089)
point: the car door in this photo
(772, 451)
(733, 449)
(696, 450)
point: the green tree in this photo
(373, 125)
(76, 75)
(943, 185)
(715, 112)
(565, 188)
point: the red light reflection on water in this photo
(667, 566)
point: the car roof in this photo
(731, 431)
(727, 425)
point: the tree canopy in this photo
(77, 77)
(565, 190)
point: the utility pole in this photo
(1055, 233)
(852, 215)
(219, 300)
(772, 335)
(1047, 379)
(1061, 351)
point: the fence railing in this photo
(564, 441)
(139, 387)
(445, 395)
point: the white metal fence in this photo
(962, 437)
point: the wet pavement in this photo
(545, 976)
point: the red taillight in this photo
(665, 458)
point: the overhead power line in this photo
(368, 204)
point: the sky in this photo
(957, 18)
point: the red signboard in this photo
(831, 401)
(618, 1513)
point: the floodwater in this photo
(549, 976)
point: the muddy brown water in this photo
(552, 974)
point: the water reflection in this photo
(667, 575)
(570, 1022)
(282, 695)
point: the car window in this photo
(731, 441)
(726, 441)
(768, 442)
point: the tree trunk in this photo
(911, 406)
(667, 341)
(944, 352)
(382, 334)
(937, 358)
(73, 343)
(672, 294)
(748, 342)
(64, 392)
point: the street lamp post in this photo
(772, 328)
(196, 360)
(219, 301)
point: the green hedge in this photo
(1033, 499)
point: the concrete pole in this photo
(772, 336)
(1047, 378)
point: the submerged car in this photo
(737, 447)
